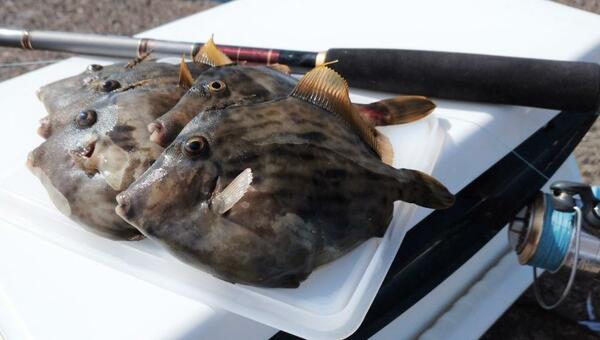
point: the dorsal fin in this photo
(186, 80)
(209, 54)
(281, 68)
(325, 88)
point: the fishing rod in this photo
(551, 84)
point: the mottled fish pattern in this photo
(261, 194)
(64, 97)
(229, 84)
(234, 85)
(220, 87)
(97, 142)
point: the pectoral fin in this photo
(397, 110)
(325, 88)
(281, 68)
(226, 199)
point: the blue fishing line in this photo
(555, 240)
(596, 191)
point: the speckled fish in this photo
(86, 199)
(63, 97)
(229, 84)
(261, 194)
(98, 142)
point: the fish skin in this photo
(243, 85)
(317, 192)
(118, 141)
(253, 84)
(64, 97)
(89, 200)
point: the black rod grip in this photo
(560, 85)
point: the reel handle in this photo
(564, 200)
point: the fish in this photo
(224, 84)
(63, 97)
(86, 199)
(96, 141)
(218, 88)
(232, 84)
(262, 194)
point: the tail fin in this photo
(397, 110)
(419, 188)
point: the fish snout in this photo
(38, 157)
(123, 208)
(158, 133)
(31, 159)
(44, 130)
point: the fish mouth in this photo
(31, 163)
(123, 206)
(84, 157)
(89, 150)
(101, 156)
(86, 151)
(157, 133)
(44, 130)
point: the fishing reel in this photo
(559, 229)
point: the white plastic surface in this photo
(333, 300)
(48, 292)
(504, 276)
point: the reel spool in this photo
(559, 229)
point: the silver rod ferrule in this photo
(94, 44)
(11, 37)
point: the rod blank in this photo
(560, 85)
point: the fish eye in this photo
(94, 67)
(216, 86)
(110, 85)
(196, 147)
(86, 118)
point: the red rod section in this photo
(252, 55)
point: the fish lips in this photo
(158, 133)
(100, 155)
(123, 208)
(83, 156)
(45, 128)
